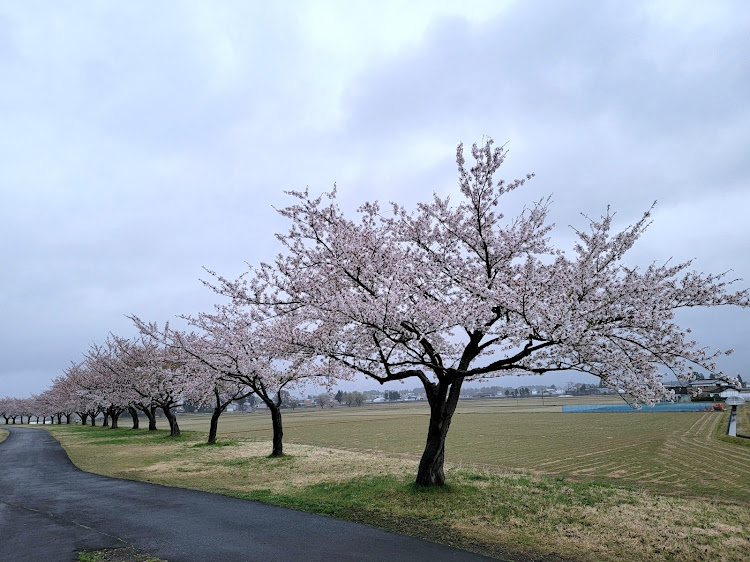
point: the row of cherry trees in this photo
(118, 376)
(40, 407)
(449, 292)
(233, 355)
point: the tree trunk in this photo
(278, 433)
(218, 410)
(174, 429)
(84, 418)
(443, 400)
(93, 420)
(105, 422)
(134, 414)
(114, 416)
(150, 412)
(59, 419)
(151, 418)
(67, 419)
(214, 425)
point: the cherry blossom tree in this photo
(205, 385)
(73, 385)
(7, 409)
(41, 408)
(160, 376)
(79, 379)
(453, 291)
(25, 408)
(219, 393)
(61, 398)
(109, 384)
(239, 350)
(134, 358)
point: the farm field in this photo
(676, 453)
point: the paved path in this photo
(49, 510)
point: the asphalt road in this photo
(50, 510)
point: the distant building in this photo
(701, 389)
(681, 392)
(707, 383)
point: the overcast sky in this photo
(143, 140)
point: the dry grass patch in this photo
(3, 435)
(229, 467)
(626, 525)
(247, 466)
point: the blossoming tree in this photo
(453, 291)
(77, 379)
(238, 350)
(208, 385)
(109, 385)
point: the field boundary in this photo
(656, 408)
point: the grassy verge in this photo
(743, 420)
(720, 432)
(487, 511)
(3, 435)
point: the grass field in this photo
(3, 435)
(669, 453)
(524, 478)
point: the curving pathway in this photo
(50, 510)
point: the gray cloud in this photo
(143, 141)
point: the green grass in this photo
(3, 435)
(109, 436)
